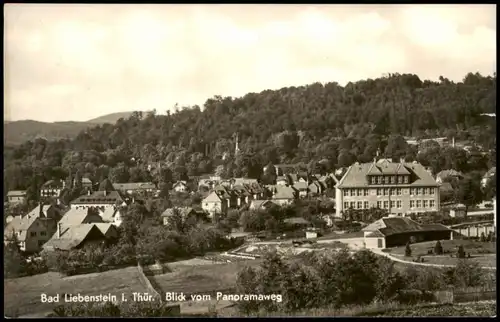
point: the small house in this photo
(16, 196)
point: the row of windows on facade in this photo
(389, 179)
(393, 204)
(389, 192)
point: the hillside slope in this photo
(110, 118)
(17, 132)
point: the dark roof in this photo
(53, 184)
(399, 225)
(133, 186)
(98, 197)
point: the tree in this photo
(408, 250)
(14, 262)
(438, 249)
(468, 192)
(247, 283)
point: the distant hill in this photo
(110, 118)
(17, 132)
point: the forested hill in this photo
(307, 123)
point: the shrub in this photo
(438, 248)
(408, 250)
(413, 296)
(461, 252)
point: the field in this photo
(206, 279)
(22, 295)
(482, 252)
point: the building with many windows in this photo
(400, 187)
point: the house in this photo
(75, 237)
(185, 212)
(262, 205)
(32, 230)
(301, 187)
(397, 231)
(180, 186)
(284, 195)
(16, 196)
(52, 189)
(111, 215)
(215, 203)
(86, 183)
(243, 181)
(457, 211)
(75, 217)
(135, 188)
(448, 174)
(281, 180)
(242, 195)
(105, 197)
(399, 187)
(488, 176)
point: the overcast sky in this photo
(77, 62)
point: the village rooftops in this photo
(100, 197)
(399, 225)
(75, 217)
(357, 174)
(72, 237)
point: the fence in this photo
(147, 282)
(465, 295)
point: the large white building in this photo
(400, 187)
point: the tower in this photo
(236, 148)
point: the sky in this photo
(76, 62)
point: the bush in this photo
(412, 296)
(438, 249)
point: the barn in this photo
(397, 231)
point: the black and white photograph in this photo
(249, 160)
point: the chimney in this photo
(59, 230)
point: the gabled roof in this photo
(213, 197)
(72, 237)
(356, 174)
(178, 183)
(376, 233)
(21, 225)
(105, 227)
(75, 217)
(259, 204)
(16, 193)
(283, 192)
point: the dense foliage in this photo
(322, 125)
(339, 279)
